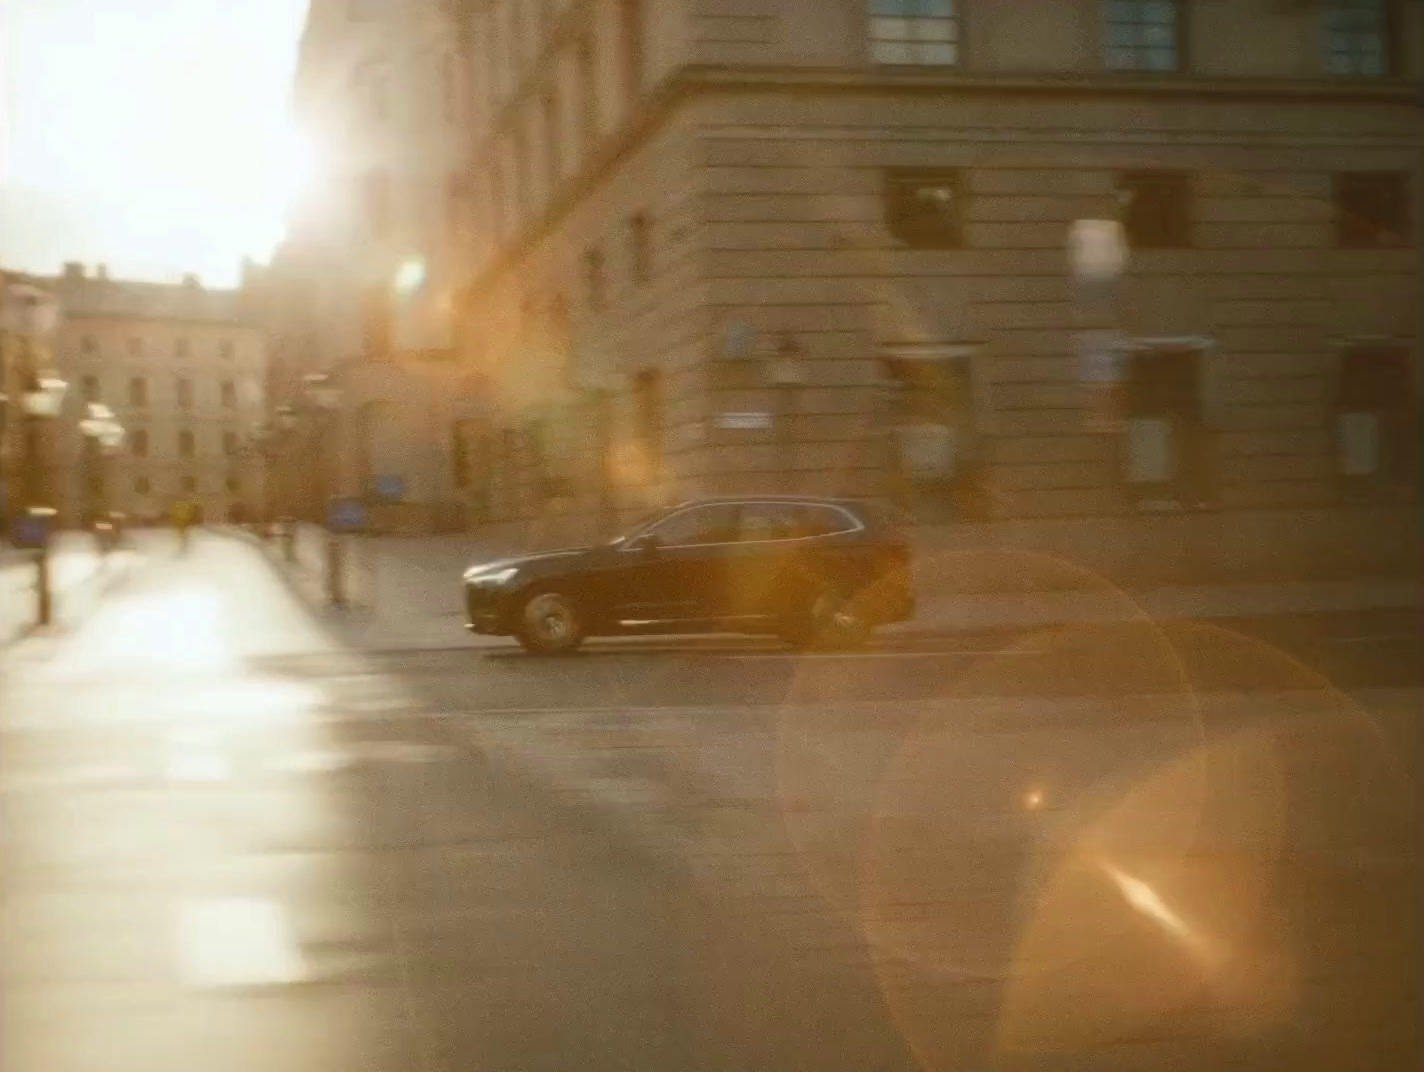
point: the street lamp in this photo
(31, 314)
(103, 435)
(44, 400)
(1097, 257)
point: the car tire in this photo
(838, 622)
(549, 624)
(831, 621)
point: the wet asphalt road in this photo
(230, 844)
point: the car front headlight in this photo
(493, 577)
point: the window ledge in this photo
(940, 79)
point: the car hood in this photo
(544, 562)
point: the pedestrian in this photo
(184, 516)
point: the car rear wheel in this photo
(549, 624)
(831, 621)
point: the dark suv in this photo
(811, 571)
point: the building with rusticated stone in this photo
(723, 246)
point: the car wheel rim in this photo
(551, 618)
(839, 621)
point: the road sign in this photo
(738, 340)
(345, 515)
(389, 487)
(743, 422)
(1102, 356)
(31, 530)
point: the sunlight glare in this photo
(410, 276)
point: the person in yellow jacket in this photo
(185, 515)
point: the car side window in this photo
(702, 524)
(769, 521)
(821, 521)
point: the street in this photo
(231, 842)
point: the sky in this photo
(153, 136)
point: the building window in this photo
(189, 483)
(135, 347)
(376, 203)
(1357, 37)
(1167, 448)
(185, 394)
(225, 350)
(229, 394)
(185, 444)
(924, 207)
(586, 86)
(1157, 209)
(1376, 417)
(1371, 209)
(640, 249)
(594, 282)
(914, 32)
(553, 159)
(370, 90)
(1142, 35)
(141, 485)
(138, 443)
(89, 345)
(91, 388)
(180, 348)
(138, 391)
(633, 47)
(648, 409)
(229, 443)
(935, 459)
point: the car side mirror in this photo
(647, 544)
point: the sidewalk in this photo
(404, 593)
(79, 574)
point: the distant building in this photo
(365, 277)
(720, 247)
(184, 372)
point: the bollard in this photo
(289, 542)
(335, 579)
(33, 532)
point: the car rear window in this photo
(822, 521)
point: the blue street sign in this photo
(345, 515)
(31, 530)
(389, 487)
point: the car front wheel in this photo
(549, 624)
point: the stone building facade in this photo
(720, 246)
(183, 370)
(365, 274)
